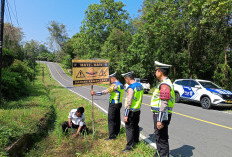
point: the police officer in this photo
(76, 119)
(162, 103)
(116, 91)
(132, 110)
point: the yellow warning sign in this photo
(90, 72)
(102, 73)
(80, 74)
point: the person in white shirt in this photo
(76, 119)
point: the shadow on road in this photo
(184, 151)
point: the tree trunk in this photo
(226, 68)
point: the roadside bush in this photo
(22, 67)
(16, 79)
(46, 57)
(67, 61)
(8, 57)
(223, 80)
(7, 136)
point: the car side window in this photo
(193, 83)
(178, 82)
(186, 83)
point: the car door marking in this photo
(188, 92)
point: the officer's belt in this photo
(157, 109)
(134, 110)
(116, 103)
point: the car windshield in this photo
(209, 85)
(144, 81)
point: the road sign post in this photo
(93, 123)
(90, 72)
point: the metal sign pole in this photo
(93, 125)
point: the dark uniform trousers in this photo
(65, 127)
(114, 119)
(132, 129)
(162, 137)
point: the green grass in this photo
(22, 116)
(104, 85)
(58, 144)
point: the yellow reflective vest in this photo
(156, 101)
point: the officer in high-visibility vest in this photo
(162, 103)
(116, 91)
(132, 110)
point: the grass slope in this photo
(23, 116)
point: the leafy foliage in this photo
(15, 80)
(100, 20)
(57, 39)
(7, 135)
(58, 35)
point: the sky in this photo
(33, 16)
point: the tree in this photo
(12, 47)
(57, 39)
(12, 36)
(115, 48)
(58, 35)
(100, 20)
(31, 51)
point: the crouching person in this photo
(76, 119)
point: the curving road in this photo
(193, 131)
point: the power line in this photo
(7, 19)
(10, 20)
(10, 9)
(16, 12)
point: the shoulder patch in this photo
(165, 92)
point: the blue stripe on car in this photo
(220, 91)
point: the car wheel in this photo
(177, 97)
(205, 103)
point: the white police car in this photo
(144, 82)
(205, 92)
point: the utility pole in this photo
(1, 44)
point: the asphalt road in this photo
(193, 131)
